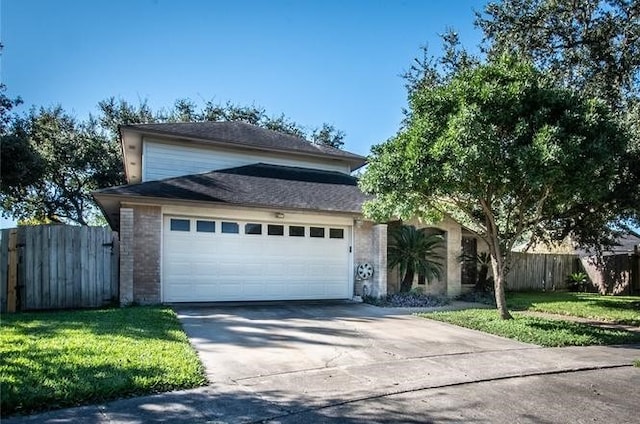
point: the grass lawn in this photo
(58, 359)
(540, 331)
(616, 309)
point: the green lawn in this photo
(544, 332)
(59, 359)
(616, 309)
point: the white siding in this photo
(164, 160)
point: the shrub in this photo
(412, 299)
(485, 297)
(577, 282)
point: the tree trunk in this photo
(497, 265)
(498, 281)
(407, 282)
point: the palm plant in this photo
(482, 261)
(577, 281)
(415, 251)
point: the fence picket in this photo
(540, 271)
(4, 268)
(61, 267)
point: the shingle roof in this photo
(259, 185)
(241, 133)
(625, 243)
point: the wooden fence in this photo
(57, 267)
(541, 271)
(614, 274)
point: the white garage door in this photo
(208, 259)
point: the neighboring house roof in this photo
(625, 243)
(258, 185)
(240, 135)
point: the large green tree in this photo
(20, 163)
(63, 161)
(503, 150)
(592, 46)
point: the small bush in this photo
(413, 299)
(577, 282)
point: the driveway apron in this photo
(240, 342)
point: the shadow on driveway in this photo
(242, 341)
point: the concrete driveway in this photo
(354, 363)
(240, 342)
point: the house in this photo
(227, 211)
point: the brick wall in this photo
(147, 226)
(126, 256)
(371, 247)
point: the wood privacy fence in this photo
(541, 271)
(57, 267)
(614, 274)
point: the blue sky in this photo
(314, 61)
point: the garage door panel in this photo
(199, 266)
(228, 270)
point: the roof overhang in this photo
(110, 205)
(131, 144)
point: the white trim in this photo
(265, 215)
(161, 255)
(352, 248)
(143, 170)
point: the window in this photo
(205, 226)
(180, 225)
(295, 231)
(230, 227)
(275, 230)
(316, 232)
(253, 228)
(336, 233)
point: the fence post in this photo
(12, 281)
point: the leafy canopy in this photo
(498, 142)
(592, 46)
(56, 163)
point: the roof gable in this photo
(242, 133)
(235, 134)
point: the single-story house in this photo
(228, 211)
